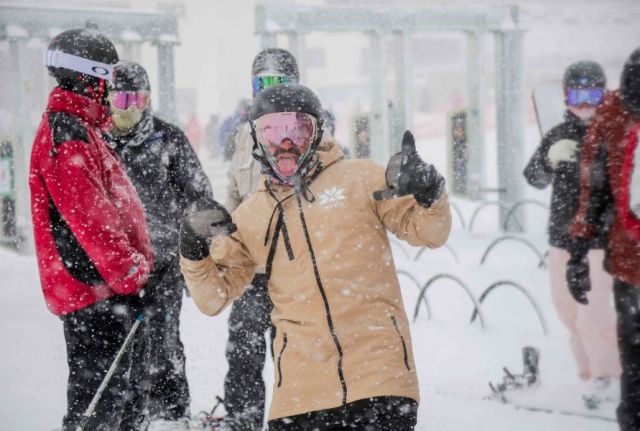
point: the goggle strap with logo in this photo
(265, 81)
(78, 64)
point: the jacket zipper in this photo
(284, 345)
(325, 301)
(404, 345)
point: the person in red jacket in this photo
(615, 127)
(93, 250)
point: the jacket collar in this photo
(573, 119)
(328, 151)
(135, 137)
(90, 111)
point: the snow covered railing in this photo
(423, 292)
(417, 284)
(488, 204)
(458, 212)
(530, 298)
(529, 244)
(511, 209)
(519, 204)
(477, 303)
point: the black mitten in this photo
(408, 174)
(578, 271)
(203, 220)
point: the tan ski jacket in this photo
(342, 333)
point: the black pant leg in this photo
(319, 420)
(93, 337)
(627, 299)
(244, 387)
(371, 414)
(382, 414)
(169, 389)
(158, 371)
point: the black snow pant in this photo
(627, 299)
(158, 369)
(244, 387)
(93, 336)
(371, 414)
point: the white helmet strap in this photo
(78, 64)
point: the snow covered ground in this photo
(455, 359)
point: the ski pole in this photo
(92, 406)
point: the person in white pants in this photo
(592, 327)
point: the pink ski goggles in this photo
(274, 129)
(123, 99)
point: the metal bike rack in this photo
(417, 284)
(529, 244)
(499, 204)
(524, 291)
(456, 209)
(545, 256)
(518, 205)
(446, 245)
(423, 292)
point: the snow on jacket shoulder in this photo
(341, 329)
(90, 234)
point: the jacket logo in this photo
(332, 197)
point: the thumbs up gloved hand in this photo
(578, 270)
(564, 150)
(408, 174)
(201, 222)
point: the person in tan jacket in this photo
(317, 226)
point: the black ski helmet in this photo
(286, 98)
(80, 51)
(584, 74)
(630, 83)
(130, 76)
(276, 60)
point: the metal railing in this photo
(529, 244)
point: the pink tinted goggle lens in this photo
(124, 99)
(273, 129)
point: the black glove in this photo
(203, 220)
(408, 174)
(578, 271)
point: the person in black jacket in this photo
(167, 175)
(592, 327)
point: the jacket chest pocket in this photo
(402, 342)
(279, 360)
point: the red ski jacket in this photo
(631, 222)
(611, 126)
(89, 227)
